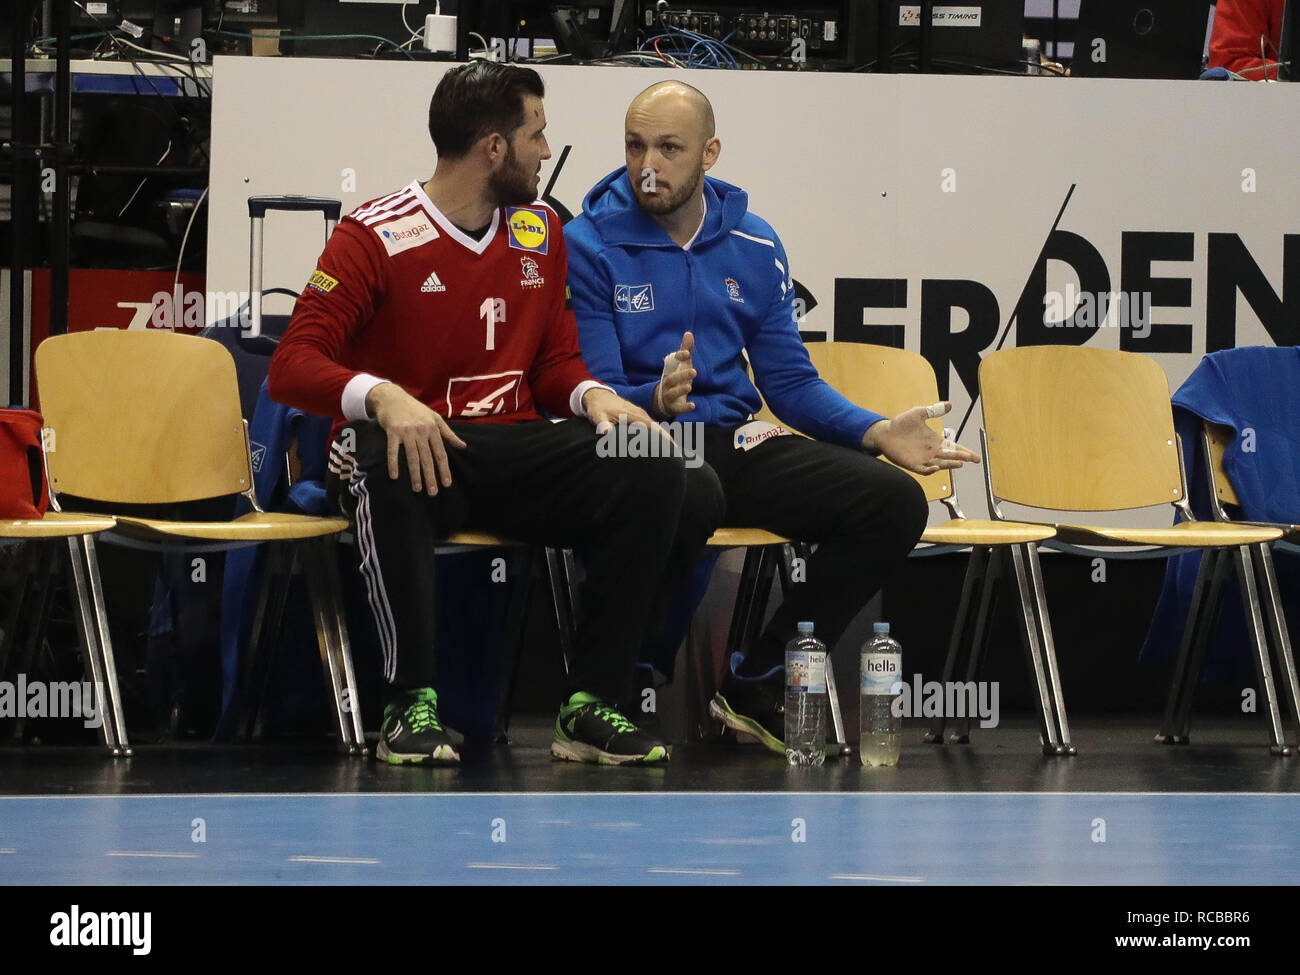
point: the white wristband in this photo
(671, 365)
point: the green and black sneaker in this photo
(589, 730)
(412, 734)
(753, 706)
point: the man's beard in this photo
(511, 184)
(667, 201)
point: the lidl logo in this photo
(528, 229)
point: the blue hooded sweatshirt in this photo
(635, 292)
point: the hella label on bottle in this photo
(881, 672)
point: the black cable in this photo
(986, 69)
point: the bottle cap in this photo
(805, 627)
(881, 627)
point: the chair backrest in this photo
(1217, 438)
(142, 417)
(886, 381)
(1079, 429)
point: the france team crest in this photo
(527, 228)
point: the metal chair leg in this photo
(112, 685)
(1263, 669)
(995, 572)
(1064, 745)
(1281, 635)
(255, 667)
(337, 628)
(1220, 570)
(313, 571)
(89, 635)
(37, 623)
(20, 609)
(1196, 620)
(970, 588)
(1034, 652)
(561, 603)
(516, 618)
(837, 720)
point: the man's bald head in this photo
(669, 145)
(676, 97)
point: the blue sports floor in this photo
(653, 838)
(1126, 811)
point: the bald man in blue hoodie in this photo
(673, 279)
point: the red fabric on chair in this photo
(23, 493)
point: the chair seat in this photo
(480, 539)
(1290, 533)
(256, 526)
(744, 537)
(976, 531)
(1189, 534)
(55, 524)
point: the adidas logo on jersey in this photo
(431, 283)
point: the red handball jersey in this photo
(476, 330)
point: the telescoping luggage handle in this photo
(258, 206)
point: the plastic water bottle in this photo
(882, 670)
(805, 698)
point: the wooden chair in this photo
(889, 381)
(153, 418)
(1072, 429)
(30, 608)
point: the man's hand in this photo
(418, 430)
(604, 409)
(675, 384)
(912, 445)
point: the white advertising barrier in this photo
(920, 211)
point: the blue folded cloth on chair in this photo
(1256, 391)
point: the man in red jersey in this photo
(436, 328)
(1245, 37)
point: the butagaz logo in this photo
(258, 452)
(675, 439)
(950, 699)
(733, 290)
(401, 235)
(634, 297)
(528, 229)
(532, 276)
(432, 283)
(754, 433)
(103, 929)
(83, 700)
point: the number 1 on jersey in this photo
(492, 311)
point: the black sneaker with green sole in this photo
(412, 734)
(753, 707)
(589, 730)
